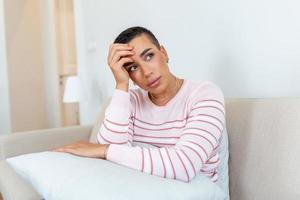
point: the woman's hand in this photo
(119, 54)
(85, 149)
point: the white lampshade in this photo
(73, 90)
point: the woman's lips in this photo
(154, 83)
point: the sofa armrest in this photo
(13, 187)
(15, 144)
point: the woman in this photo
(169, 127)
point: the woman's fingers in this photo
(69, 149)
(72, 145)
(120, 54)
(117, 47)
(83, 148)
(125, 60)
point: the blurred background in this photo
(53, 69)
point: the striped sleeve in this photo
(116, 127)
(196, 145)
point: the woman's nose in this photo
(146, 71)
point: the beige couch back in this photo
(264, 145)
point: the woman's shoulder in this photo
(203, 85)
(201, 90)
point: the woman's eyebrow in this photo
(141, 55)
(145, 51)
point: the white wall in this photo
(5, 125)
(249, 48)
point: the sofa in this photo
(264, 142)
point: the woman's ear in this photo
(164, 51)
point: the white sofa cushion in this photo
(64, 176)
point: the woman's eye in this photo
(132, 68)
(149, 56)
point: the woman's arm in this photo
(116, 127)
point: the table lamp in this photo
(73, 92)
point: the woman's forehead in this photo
(141, 42)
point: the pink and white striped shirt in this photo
(174, 141)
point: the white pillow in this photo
(63, 176)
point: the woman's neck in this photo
(173, 87)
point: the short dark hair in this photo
(130, 33)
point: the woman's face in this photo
(149, 69)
